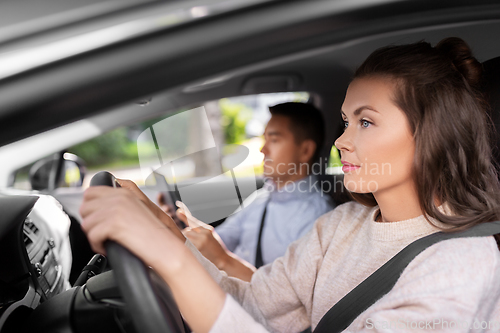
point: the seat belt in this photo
(258, 255)
(343, 313)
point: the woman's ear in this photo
(307, 150)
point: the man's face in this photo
(281, 152)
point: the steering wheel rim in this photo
(147, 297)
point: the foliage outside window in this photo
(235, 120)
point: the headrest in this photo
(492, 91)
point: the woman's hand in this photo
(120, 215)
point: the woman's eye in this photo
(346, 123)
(365, 123)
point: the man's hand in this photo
(157, 211)
(209, 243)
(203, 236)
(160, 198)
(169, 210)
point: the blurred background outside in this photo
(236, 120)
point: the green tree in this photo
(233, 120)
(110, 147)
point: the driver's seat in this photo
(491, 88)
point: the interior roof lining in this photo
(231, 87)
(278, 61)
(284, 64)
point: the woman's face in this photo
(377, 146)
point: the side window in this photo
(236, 120)
(208, 154)
(115, 151)
(204, 144)
(334, 164)
(20, 179)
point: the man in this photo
(284, 209)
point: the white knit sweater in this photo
(452, 286)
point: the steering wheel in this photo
(147, 297)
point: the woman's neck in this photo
(398, 204)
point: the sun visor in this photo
(272, 83)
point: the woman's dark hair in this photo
(438, 90)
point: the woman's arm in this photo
(289, 281)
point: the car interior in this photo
(187, 54)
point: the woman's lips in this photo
(348, 167)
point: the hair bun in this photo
(460, 54)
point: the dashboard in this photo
(40, 248)
(35, 263)
(35, 254)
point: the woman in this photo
(416, 153)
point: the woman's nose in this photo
(343, 143)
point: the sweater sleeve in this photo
(233, 318)
(279, 296)
(449, 287)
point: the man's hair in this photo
(306, 122)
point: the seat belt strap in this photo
(343, 313)
(258, 255)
